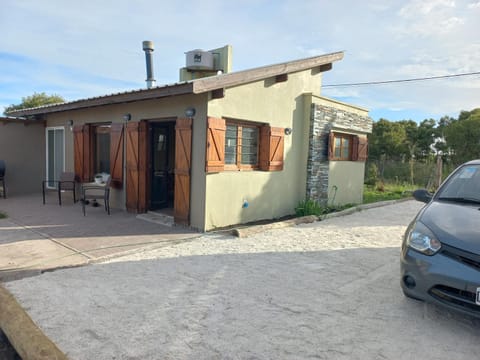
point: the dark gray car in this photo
(440, 259)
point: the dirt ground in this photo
(327, 290)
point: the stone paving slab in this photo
(36, 237)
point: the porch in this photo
(35, 238)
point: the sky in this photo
(81, 49)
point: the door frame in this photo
(152, 123)
(137, 139)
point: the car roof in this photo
(473, 162)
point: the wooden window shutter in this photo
(271, 148)
(82, 152)
(136, 139)
(331, 145)
(116, 154)
(360, 148)
(132, 167)
(355, 148)
(215, 154)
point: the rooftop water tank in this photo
(199, 60)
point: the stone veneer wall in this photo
(322, 120)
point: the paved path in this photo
(327, 290)
(37, 237)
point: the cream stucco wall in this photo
(269, 194)
(345, 182)
(165, 108)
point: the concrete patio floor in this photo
(36, 237)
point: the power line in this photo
(403, 80)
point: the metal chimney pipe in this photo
(148, 48)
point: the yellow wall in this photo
(269, 194)
(171, 107)
(345, 182)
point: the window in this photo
(55, 154)
(101, 149)
(241, 146)
(98, 148)
(342, 147)
(347, 147)
(235, 145)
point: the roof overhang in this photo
(322, 62)
(121, 98)
(14, 120)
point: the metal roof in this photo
(117, 98)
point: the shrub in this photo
(308, 207)
(311, 207)
(372, 174)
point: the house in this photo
(219, 147)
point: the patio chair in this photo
(2, 178)
(94, 192)
(65, 183)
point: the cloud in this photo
(428, 18)
(424, 7)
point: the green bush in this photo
(3, 215)
(372, 174)
(311, 207)
(308, 207)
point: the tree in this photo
(35, 100)
(463, 136)
(386, 139)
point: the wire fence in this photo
(422, 173)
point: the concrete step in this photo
(157, 218)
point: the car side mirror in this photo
(422, 195)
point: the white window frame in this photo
(47, 129)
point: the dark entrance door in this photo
(162, 145)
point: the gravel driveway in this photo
(327, 290)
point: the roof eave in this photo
(246, 76)
(138, 95)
